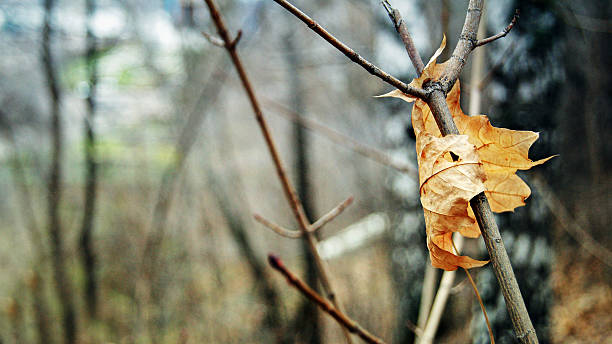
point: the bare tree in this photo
(62, 281)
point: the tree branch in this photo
(348, 323)
(288, 188)
(400, 27)
(332, 214)
(504, 32)
(435, 96)
(515, 304)
(284, 232)
(437, 90)
(350, 53)
(467, 42)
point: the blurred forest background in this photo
(131, 165)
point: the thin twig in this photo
(351, 54)
(504, 32)
(482, 307)
(332, 214)
(348, 323)
(342, 139)
(400, 27)
(288, 188)
(287, 233)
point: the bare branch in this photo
(400, 27)
(504, 32)
(351, 54)
(332, 214)
(341, 139)
(436, 101)
(348, 323)
(287, 233)
(288, 188)
(467, 41)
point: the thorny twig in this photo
(288, 188)
(348, 323)
(504, 32)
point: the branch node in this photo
(234, 42)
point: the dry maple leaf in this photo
(488, 158)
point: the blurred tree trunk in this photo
(41, 310)
(269, 296)
(15, 315)
(153, 291)
(585, 130)
(233, 206)
(24, 197)
(306, 324)
(62, 282)
(87, 250)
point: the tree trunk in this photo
(86, 244)
(62, 282)
(306, 322)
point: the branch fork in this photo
(295, 234)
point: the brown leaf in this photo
(488, 160)
(446, 187)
